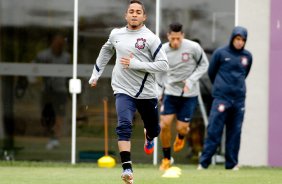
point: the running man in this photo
(187, 64)
(139, 56)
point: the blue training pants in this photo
(229, 114)
(126, 107)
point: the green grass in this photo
(64, 173)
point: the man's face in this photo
(175, 39)
(135, 16)
(238, 42)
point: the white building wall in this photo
(255, 16)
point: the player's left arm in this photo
(159, 64)
(202, 65)
(250, 62)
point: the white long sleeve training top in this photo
(187, 65)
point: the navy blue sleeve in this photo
(214, 65)
(249, 65)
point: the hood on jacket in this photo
(241, 31)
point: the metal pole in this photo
(155, 156)
(106, 126)
(202, 107)
(236, 12)
(75, 27)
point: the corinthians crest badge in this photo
(185, 57)
(140, 43)
(244, 61)
(221, 108)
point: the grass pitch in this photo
(64, 173)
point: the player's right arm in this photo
(106, 53)
(214, 65)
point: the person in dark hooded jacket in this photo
(228, 70)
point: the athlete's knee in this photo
(165, 123)
(165, 126)
(182, 128)
(124, 132)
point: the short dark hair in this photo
(138, 2)
(175, 27)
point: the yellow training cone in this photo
(176, 169)
(106, 161)
(171, 174)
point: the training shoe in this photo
(165, 164)
(149, 147)
(236, 168)
(178, 144)
(200, 167)
(127, 176)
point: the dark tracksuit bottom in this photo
(126, 107)
(229, 114)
